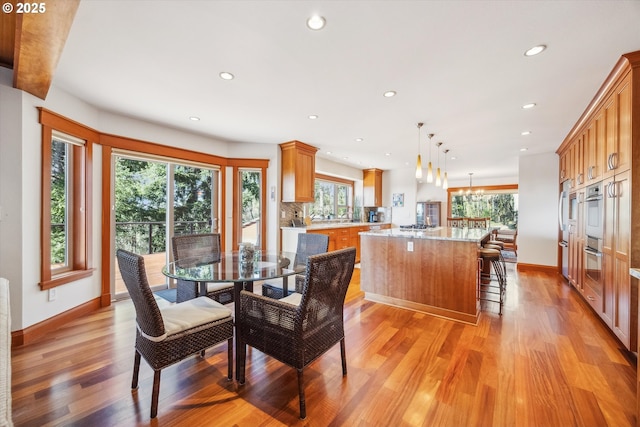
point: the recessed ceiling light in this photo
(194, 118)
(313, 117)
(359, 139)
(226, 75)
(453, 158)
(387, 154)
(329, 152)
(523, 149)
(526, 132)
(389, 93)
(345, 158)
(535, 50)
(527, 106)
(316, 22)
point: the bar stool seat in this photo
(496, 243)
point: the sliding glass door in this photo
(155, 199)
(250, 224)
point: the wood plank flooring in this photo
(546, 362)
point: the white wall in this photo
(538, 210)
(400, 181)
(20, 166)
(10, 190)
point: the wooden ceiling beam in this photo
(39, 40)
(7, 37)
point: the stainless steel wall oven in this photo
(594, 211)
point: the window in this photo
(333, 198)
(500, 203)
(66, 154)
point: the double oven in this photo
(594, 232)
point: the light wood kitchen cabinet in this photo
(577, 162)
(594, 149)
(617, 116)
(298, 171)
(616, 260)
(606, 130)
(372, 192)
(576, 242)
(564, 170)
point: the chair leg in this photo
(303, 405)
(136, 370)
(344, 357)
(241, 357)
(230, 358)
(155, 393)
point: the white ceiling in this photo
(457, 66)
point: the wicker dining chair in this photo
(165, 336)
(301, 327)
(308, 244)
(190, 246)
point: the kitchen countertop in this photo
(324, 225)
(635, 272)
(436, 233)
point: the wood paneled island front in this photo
(433, 271)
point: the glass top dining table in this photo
(193, 274)
(227, 267)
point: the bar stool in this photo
(492, 285)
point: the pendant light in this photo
(438, 180)
(429, 168)
(445, 181)
(419, 162)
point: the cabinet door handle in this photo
(591, 172)
(614, 160)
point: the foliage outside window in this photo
(501, 207)
(332, 199)
(251, 207)
(141, 203)
(66, 207)
(250, 196)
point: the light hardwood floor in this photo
(546, 362)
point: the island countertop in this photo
(437, 233)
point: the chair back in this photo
(196, 246)
(133, 273)
(310, 244)
(325, 287)
(479, 222)
(457, 222)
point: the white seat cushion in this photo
(293, 299)
(212, 287)
(190, 314)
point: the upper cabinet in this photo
(298, 171)
(372, 187)
(617, 112)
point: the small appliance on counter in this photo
(373, 217)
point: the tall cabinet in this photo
(428, 213)
(599, 149)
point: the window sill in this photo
(65, 278)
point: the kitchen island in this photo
(433, 271)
